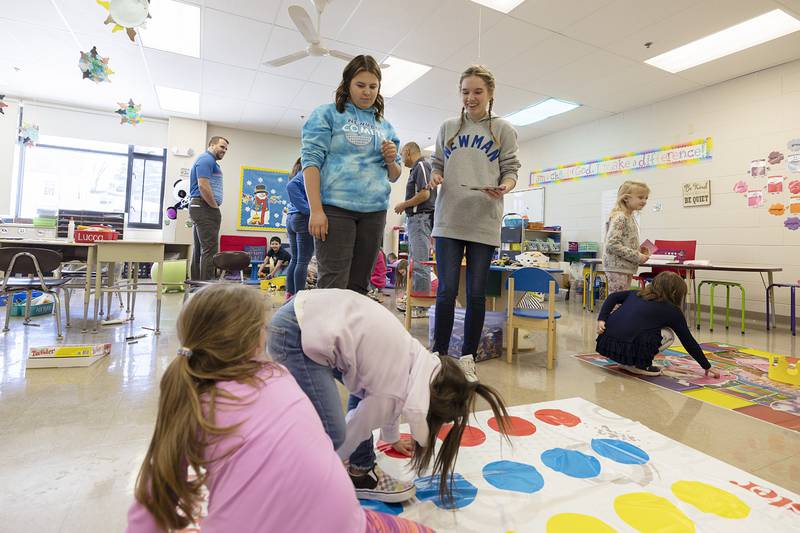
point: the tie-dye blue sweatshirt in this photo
(346, 147)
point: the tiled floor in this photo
(71, 440)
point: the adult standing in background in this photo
(205, 198)
(349, 156)
(418, 208)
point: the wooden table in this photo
(133, 253)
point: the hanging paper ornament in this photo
(129, 113)
(774, 158)
(126, 15)
(94, 67)
(792, 223)
(2, 104)
(740, 186)
(29, 134)
(777, 209)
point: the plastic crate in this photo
(36, 310)
(588, 247)
(92, 236)
(573, 246)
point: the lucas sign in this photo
(697, 193)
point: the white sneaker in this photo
(467, 364)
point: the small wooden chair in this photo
(416, 298)
(531, 280)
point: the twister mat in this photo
(574, 467)
(743, 385)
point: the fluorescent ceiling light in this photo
(503, 6)
(178, 100)
(400, 75)
(540, 111)
(431, 148)
(174, 27)
(749, 33)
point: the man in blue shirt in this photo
(205, 197)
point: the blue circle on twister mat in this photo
(571, 462)
(464, 492)
(382, 507)
(620, 451)
(510, 475)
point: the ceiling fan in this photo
(302, 20)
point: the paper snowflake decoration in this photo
(249, 183)
(126, 15)
(129, 113)
(261, 180)
(94, 67)
(29, 134)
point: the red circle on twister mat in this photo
(386, 447)
(557, 417)
(472, 436)
(515, 426)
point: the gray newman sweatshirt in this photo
(474, 160)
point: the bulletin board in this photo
(263, 199)
(529, 202)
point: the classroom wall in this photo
(8, 139)
(747, 118)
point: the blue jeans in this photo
(301, 246)
(317, 381)
(449, 253)
(419, 240)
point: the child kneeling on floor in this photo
(246, 430)
(644, 324)
(326, 335)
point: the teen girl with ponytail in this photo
(475, 163)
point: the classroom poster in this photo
(262, 199)
(697, 193)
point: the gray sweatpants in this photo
(419, 247)
(205, 232)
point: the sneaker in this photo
(649, 371)
(377, 485)
(419, 312)
(401, 304)
(467, 364)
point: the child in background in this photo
(476, 149)
(644, 324)
(623, 253)
(301, 244)
(276, 261)
(326, 335)
(377, 281)
(245, 428)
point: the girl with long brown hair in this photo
(475, 163)
(329, 335)
(644, 324)
(349, 156)
(244, 430)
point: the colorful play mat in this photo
(573, 466)
(744, 384)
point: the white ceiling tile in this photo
(221, 109)
(542, 59)
(174, 70)
(313, 95)
(557, 15)
(262, 10)
(228, 81)
(284, 42)
(260, 117)
(594, 66)
(333, 19)
(291, 122)
(509, 99)
(408, 116)
(329, 69)
(438, 87)
(274, 90)
(37, 12)
(382, 25)
(507, 34)
(439, 34)
(233, 40)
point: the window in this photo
(93, 176)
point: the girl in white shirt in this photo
(326, 335)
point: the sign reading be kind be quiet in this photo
(697, 193)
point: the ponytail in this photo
(453, 400)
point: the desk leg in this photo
(133, 270)
(590, 296)
(771, 297)
(98, 293)
(112, 282)
(87, 290)
(158, 297)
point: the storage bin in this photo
(491, 343)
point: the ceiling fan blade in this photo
(340, 55)
(302, 20)
(279, 62)
(321, 4)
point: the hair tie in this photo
(184, 351)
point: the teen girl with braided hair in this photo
(475, 163)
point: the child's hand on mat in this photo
(436, 180)
(713, 373)
(318, 225)
(404, 446)
(601, 327)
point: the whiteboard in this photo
(528, 202)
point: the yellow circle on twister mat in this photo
(577, 523)
(649, 513)
(710, 499)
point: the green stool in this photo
(714, 284)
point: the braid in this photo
(460, 125)
(491, 103)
